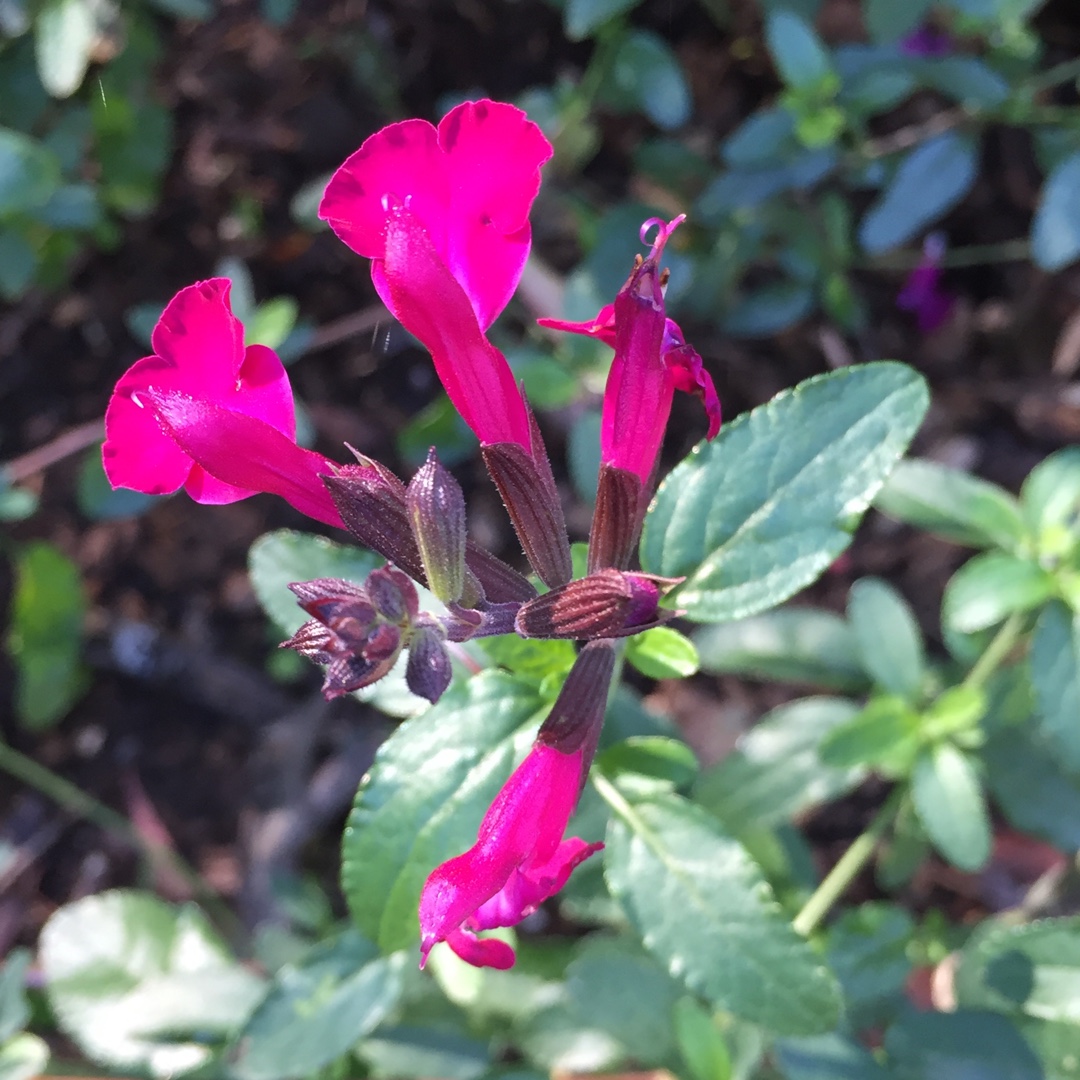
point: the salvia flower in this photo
(652, 361)
(207, 414)
(520, 857)
(443, 214)
(922, 293)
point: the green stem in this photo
(999, 648)
(1059, 73)
(1016, 250)
(79, 803)
(848, 868)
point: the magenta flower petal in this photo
(602, 327)
(470, 184)
(519, 859)
(431, 304)
(199, 351)
(243, 453)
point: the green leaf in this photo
(953, 505)
(930, 181)
(583, 454)
(762, 138)
(18, 259)
(271, 322)
(885, 734)
(615, 987)
(762, 510)
(700, 1043)
(317, 1009)
(868, 951)
(702, 907)
(1049, 809)
(45, 636)
(440, 425)
(64, 33)
(777, 770)
(29, 173)
(424, 797)
(416, 1053)
(1032, 969)
(99, 500)
(654, 756)
(889, 21)
(1051, 501)
(770, 309)
(23, 1058)
(990, 587)
(14, 1010)
(949, 801)
(645, 75)
(581, 18)
(967, 79)
(16, 504)
(826, 1057)
(791, 644)
(533, 658)
(888, 637)
(963, 1044)
(131, 980)
(663, 653)
(282, 556)
(801, 60)
(1055, 674)
(1055, 229)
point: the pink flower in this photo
(520, 858)
(518, 861)
(443, 213)
(922, 293)
(652, 361)
(207, 414)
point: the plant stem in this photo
(79, 803)
(1015, 250)
(999, 648)
(848, 868)
(1059, 73)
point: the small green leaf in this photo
(23, 1058)
(949, 801)
(884, 735)
(99, 500)
(418, 1053)
(966, 1043)
(888, 637)
(423, 799)
(702, 908)
(581, 18)
(131, 979)
(271, 322)
(653, 756)
(770, 309)
(958, 709)
(615, 987)
(700, 1043)
(801, 59)
(1055, 229)
(283, 556)
(532, 658)
(791, 644)
(889, 21)
(315, 1010)
(64, 33)
(583, 453)
(1051, 501)
(990, 587)
(1033, 969)
(1055, 674)
(930, 181)
(29, 173)
(14, 1010)
(953, 505)
(45, 636)
(440, 425)
(777, 770)
(762, 510)
(16, 504)
(663, 653)
(646, 75)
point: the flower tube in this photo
(520, 858)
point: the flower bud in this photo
(428, 672)
(436, 508)
(608, 604)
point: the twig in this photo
(63, 446)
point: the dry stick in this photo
(63, 446)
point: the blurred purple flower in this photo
(927, 42)
(922, 294)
